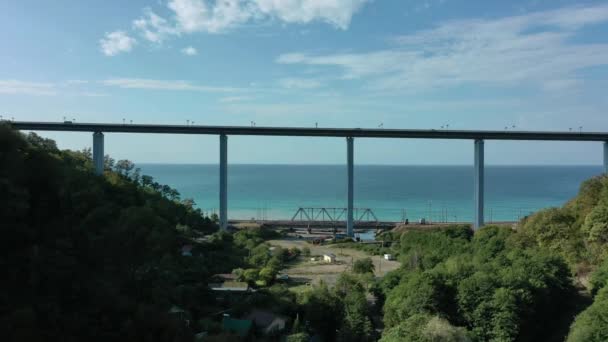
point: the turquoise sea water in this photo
(392, 192)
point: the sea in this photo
(391, 193)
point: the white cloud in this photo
(189, 51)
(204, 16)
(176, 85)
(532, 49)
(216, 16)
(153, 27)
(190, 14)
(15, 87)
(299, 83)
(116, 42)
(335, 12)
(220, 15)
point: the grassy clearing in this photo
(304, 271)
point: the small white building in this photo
(389, 257)
(329, 258)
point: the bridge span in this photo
(477, 136)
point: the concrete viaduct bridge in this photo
(478, 137)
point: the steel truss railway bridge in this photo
(478, 138)
(333, 214)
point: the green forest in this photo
(101, 258)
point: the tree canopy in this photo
(94, 257)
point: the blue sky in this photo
(535, 65)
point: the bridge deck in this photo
(312, 132)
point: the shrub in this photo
(425, 328)
(365, 265)
(599, 278)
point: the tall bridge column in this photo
(478, 184)
(606, 157)
(98, 154)
(223, 181)
(350, 168)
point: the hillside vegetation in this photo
(99, 258)
(501, 284)
(579, 233)
(478, 287)
(90, 257)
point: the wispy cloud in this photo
(427, 5)
(189, 51)
(26, 88)
(535, 48)
(116, 42)
(234, 99)
(76, 82)
(175, 85)
(59, 88)
(354, 65)
(93, 94)
(299, 83)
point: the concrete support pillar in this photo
(350, 169)
(478, 184)
(98, 154)
(606, 157)
(223, 181)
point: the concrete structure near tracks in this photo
(477, 136)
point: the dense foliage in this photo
(501, 284)
(94, 257)
(263, 261)
(480, 287)
(592, 324)
(579, 230)
(341, 313)
(363, 266)
(425, 328)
